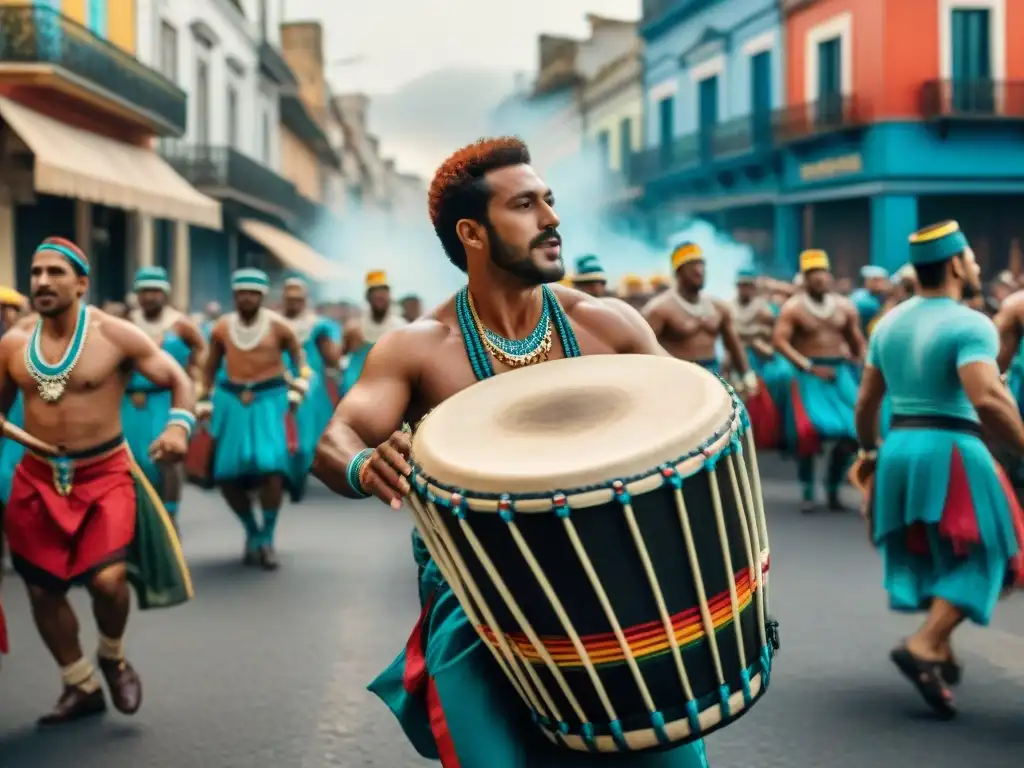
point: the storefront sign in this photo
(844, 165)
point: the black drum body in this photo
(659, 580)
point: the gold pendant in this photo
(139, 400)
(246, 396)
(51, 390)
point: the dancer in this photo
(147, 405)
(73, 518)
(315, 334)
(689, 323)
(942, 513)
(814, 331)
(869, 299)
(495, 219)
(366, 330)
(249, 409)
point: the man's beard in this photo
(522, 268)
(969, 291)
(55, 311)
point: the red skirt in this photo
(68, 536)
(764, 418)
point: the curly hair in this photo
(459, 190)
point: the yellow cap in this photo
(660, 281)
(11, 298)
(633, 284)
(377, 279)
(814, 258)
(685, 253)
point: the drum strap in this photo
(475, 349)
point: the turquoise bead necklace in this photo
(52, 380)
(476, 349)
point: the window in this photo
(707, 104)
(232, 117)
(830, 80)
(168, 51)
(96, 17)
(625, 143)
(202, 101)
(604, 149)
(972, 60)
(761, 95)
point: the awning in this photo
(291, 251)
(72, 162)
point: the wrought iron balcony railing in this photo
(682, 153)
(37, 34)
(972, 99)
(220, 170)
(826, 115)
(741, 135)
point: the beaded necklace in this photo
(51, 380)
(517, 353)
(473, 339)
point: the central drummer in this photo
(496, 220)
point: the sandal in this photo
(927, 677)
(952, 671)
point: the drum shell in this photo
(609, 543)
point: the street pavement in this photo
(270, 669)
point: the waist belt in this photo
(948, 423)
(236, 388)
(828, 362)
(145, 390)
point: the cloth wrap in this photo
(250, 430)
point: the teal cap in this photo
(937, 243)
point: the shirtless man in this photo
(72, 518)
(363, 331)
(589, 276)
(249, 410)
(495, 219)
(818, 332)
(688, 324)
(146, 406)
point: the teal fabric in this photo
(920, 346)
(316, 408)
(490, 726)
(828, 404)
(911, 486)
(250, 439)
(867, 305)
(356, 361)
(10, 451)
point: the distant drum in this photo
(600, 520)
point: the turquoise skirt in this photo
(144, 415)
(10, 451)
(820, 411)
(311, 420)
(946, 521)
(354, 369)
(455, 704)
(250, 437)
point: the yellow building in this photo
(61, 86)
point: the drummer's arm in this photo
(869, 399)
(782, 336)
(370, 413)
(1008, 323)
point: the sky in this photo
(377, 46)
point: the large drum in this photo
(600, 521)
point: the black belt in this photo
(256, 386)
(948, 423)
(89, 453)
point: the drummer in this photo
(948, 526)
(495, 219)
(689, 323)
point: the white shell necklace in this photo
(302, 325)
(823, 309)
(247, 337)
(703, 307)
(156, 328)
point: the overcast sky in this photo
(398, 40)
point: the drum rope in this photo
(659, 597)
(752, 524)
(723, 536)
(506, 659)
(762, 521)
(567, 625)
(753, 563)
(521, 620)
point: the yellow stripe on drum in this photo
(165, 520)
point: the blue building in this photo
(713, 77)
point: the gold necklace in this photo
(538, 355)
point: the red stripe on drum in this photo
(647, 640)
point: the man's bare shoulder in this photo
(115, 329)
(845, 303)
(722, 306)
(611, 319)
(1013, 303)
(792, 306)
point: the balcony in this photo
(741, 136)
(43, 50)
(295, 116)
(648, 164)
(225, 173)
(827, 115)
(972, 100)
(274, 66)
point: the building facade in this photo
(226, 53)
(69, 77)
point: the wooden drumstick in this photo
(18, 435)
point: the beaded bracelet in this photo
(354, 468)
(184, 419)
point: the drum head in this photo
(570, 423)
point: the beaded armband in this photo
(183, 419)
(354, 468)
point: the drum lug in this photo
(772, 627)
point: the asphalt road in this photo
(270, 669)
